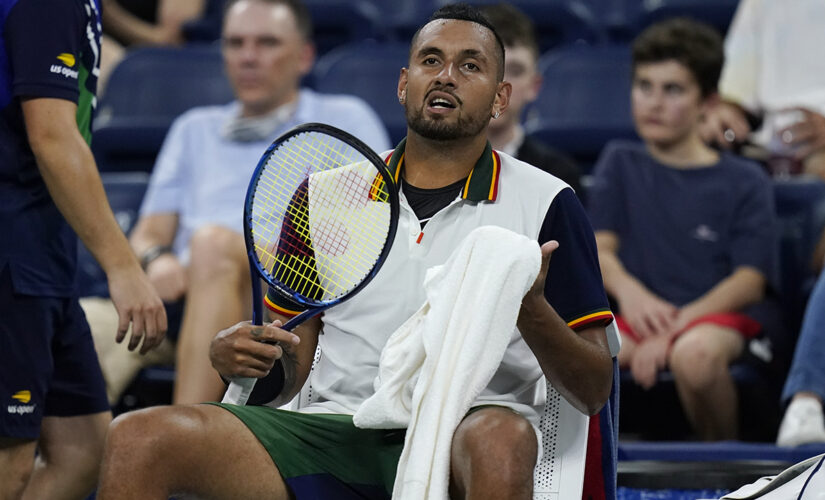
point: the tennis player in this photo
(451, 182)
(51, 389)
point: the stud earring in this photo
(402, 97)
(497, 114)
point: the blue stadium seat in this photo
(206, 28)
(618, 18)
(584, 101)
(398, 20)
(338, 22)
(799, 203)
(717, 13)
(146, 92)
(558, 22)
(368, 70)
(125, 192)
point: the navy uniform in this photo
(48, 366)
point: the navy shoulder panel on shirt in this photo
(574, 283)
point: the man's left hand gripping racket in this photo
(320, 216)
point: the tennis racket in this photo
(320, 216)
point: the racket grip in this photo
(239, 391)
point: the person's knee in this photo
(497, 441)
(216, 251)
(698, 359)
(144, 438)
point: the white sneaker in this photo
(803, 423)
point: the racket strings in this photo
(316, 225)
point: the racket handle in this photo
(239, 391)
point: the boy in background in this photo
(686, 235)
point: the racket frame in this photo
(312, 307)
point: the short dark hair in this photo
(696, 45)
(513, 26)
(303, 20)
(464, 12)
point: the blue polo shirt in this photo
(48, 48)
(682, 231)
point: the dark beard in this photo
(439, 130)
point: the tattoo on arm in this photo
(289, 362)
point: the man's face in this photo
(667, 102)
(521, 72)
(264, 54)
(451, 88)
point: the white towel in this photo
(438, 361)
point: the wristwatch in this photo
(153, 253)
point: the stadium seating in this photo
(799, 203)
(584, 101)
(369, 70)
(558, 22)
(398, 20)
(717, 13)
(146, 92)
(337, 22)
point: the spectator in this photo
(686, 235)
(452, 87)
(773, 77)
(189, 234)
(506, 132)
(51, 387)
(805, 386)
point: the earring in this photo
(498, 113)
(403, 96)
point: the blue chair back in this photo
(557, 22)
(146, 92)
(584, 101)
(717, 13)
(368, 70)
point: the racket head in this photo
(320, 215)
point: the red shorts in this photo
(746, 326)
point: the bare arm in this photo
(725, 125)
(152, 230)
(646, 313)
(152, 240)
(743, 287)
(132, 30)
(69, 171)
(578, 365)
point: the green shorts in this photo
(325, 455)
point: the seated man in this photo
(506, 132)
(686, 235)
(451, 182)
(189, 233)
